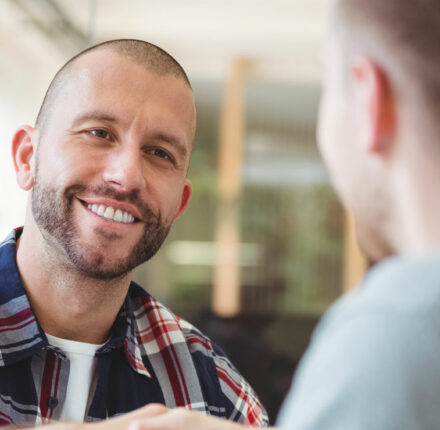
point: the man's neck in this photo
(416, 206)
(66, 303)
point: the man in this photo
(106, 168)
(374, 360)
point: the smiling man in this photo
(105, 167)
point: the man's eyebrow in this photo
(93, 115)
(174, 141)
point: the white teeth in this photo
(108, 212)
(117, 216)
(126, 217)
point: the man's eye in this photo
(160, 153)
(103, 134)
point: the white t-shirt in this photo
(82, 377)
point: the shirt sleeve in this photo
(246, 407)
(227, 394)
(375, 369)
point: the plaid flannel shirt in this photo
(152, 356)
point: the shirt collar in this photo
(124, 333)
(21, 336)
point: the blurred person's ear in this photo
(374, 106)
(23, 151)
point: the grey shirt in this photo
(374, 360)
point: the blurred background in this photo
(264, 247)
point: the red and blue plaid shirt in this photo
(152, 356)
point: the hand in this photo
(183, 419)
(121, 422)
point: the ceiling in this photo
(282, 37)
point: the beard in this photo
(52, 211)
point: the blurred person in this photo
(373, 362)
(106, 170)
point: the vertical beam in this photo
(355, 263)
(227, 282)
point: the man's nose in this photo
(123, 169)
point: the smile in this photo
(107, 212)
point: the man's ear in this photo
(186, 196)
(23, 152)
(374, 104)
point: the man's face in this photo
(111, 164)
(342, 126)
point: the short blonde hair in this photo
(403, 37)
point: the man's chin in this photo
(101, 265)
(103, 273)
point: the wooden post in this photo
(355, 263)
(227, 282)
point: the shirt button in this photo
(52, 402)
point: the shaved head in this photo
(402, 38)
(150, 56)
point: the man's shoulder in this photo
(393, 312)
(403, 289)
(162, 319)
(158, 320)
(162, 334)
(376, 348)
(11, 287)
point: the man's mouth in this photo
(111, 214)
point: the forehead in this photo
(106, 80)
